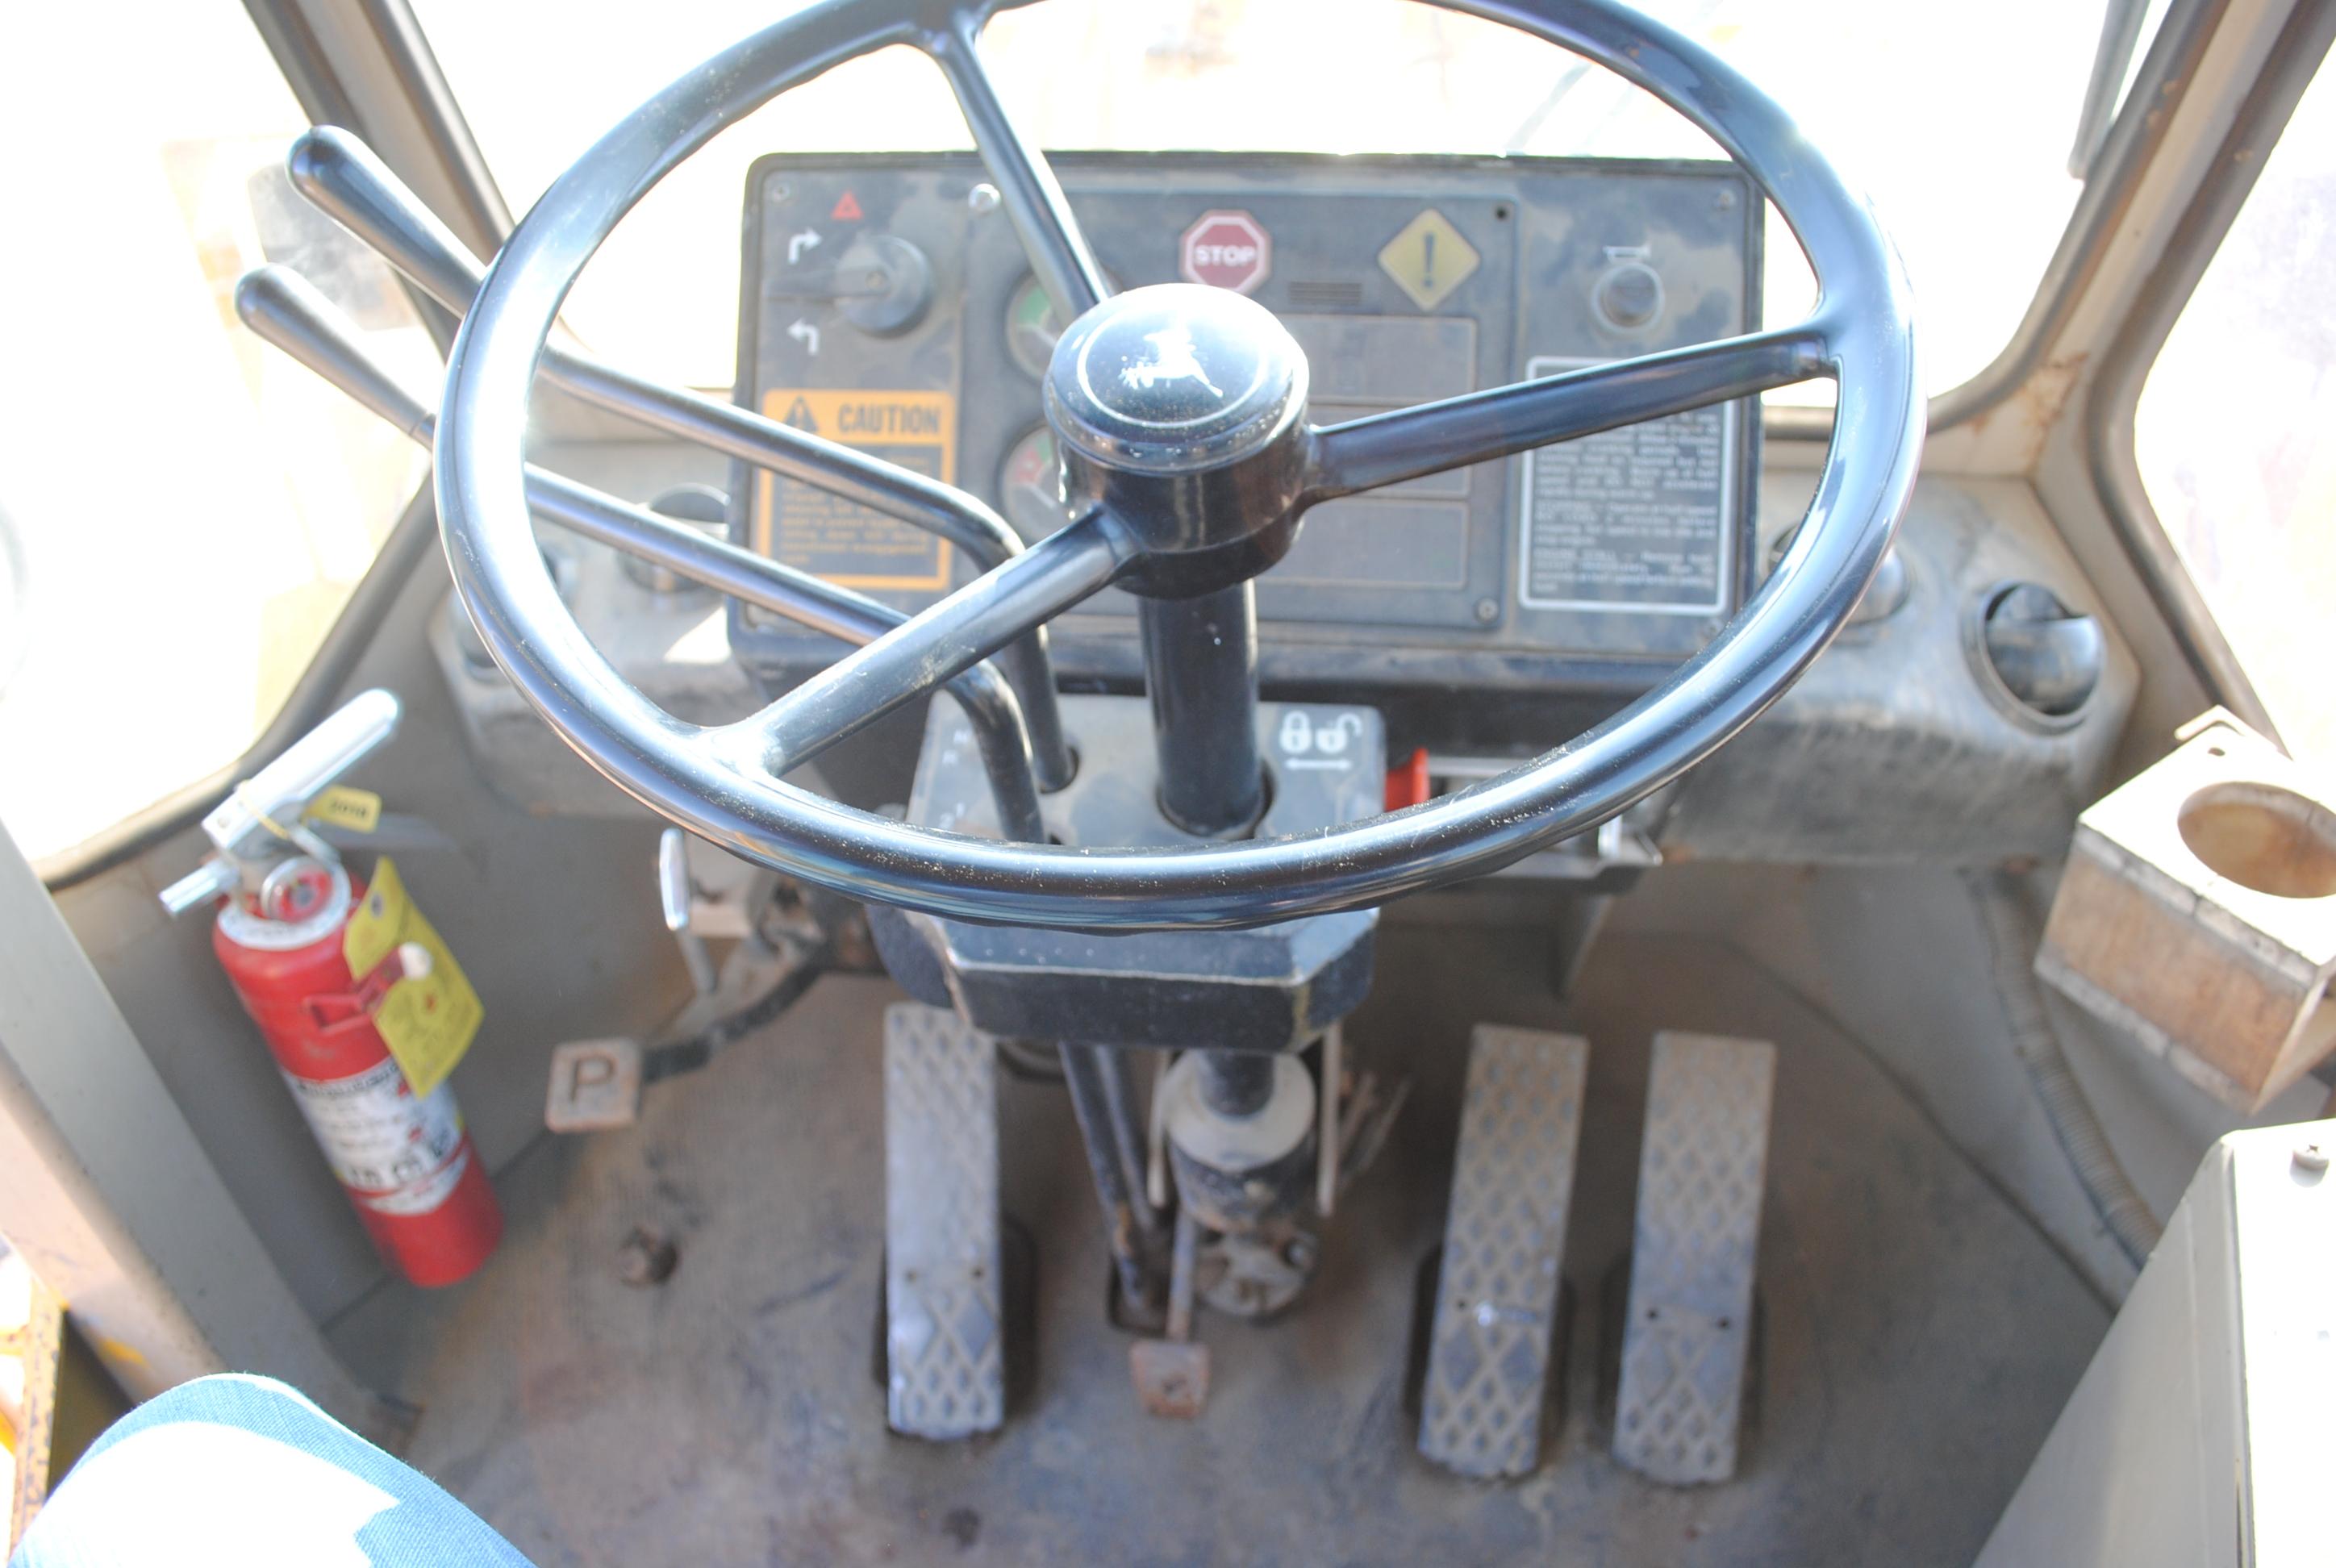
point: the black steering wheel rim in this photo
(1862, 320)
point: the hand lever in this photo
(341, 175)
(281, 306)
(676, 895)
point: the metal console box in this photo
(1271, 988)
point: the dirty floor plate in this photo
(1920, 1338)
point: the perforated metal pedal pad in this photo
(1496, 1297)
(1688, 1328)
(943, 1289)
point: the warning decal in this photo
(430, 1015)
(847, 543)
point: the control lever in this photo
(261, 816)
(281, 306)
(780, 948)
(675, 893)
(342, 178)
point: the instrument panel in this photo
(886, 304)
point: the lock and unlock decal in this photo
(1320, 746)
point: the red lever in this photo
(1406, 782)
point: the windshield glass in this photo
(1957, 119)
(184, 511)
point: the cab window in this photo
(2236, 434)
(1977, 212)
(184, 511)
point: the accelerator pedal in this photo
(943, 1299)
(1689, 1331)
(1492, 1346)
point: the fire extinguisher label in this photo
(396, 1152)
(430, 1015)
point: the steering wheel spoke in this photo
(1062, 570)
(1032, 196)
(1384, 449)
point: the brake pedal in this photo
(1687, 1332)
(944, 1315)
(1493, 1347)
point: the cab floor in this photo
(1919, 1336)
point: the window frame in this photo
(2128, 152)
(2111, 416)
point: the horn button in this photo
(1180, 408)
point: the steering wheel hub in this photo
(1180, 410)
(1174, 379)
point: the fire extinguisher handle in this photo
(199, 889)
(246, 823)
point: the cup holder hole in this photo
(2263, 837)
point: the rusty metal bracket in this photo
(1172, 1375)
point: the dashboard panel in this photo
(886, 304)
(1487, 615)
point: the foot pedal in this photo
(1689, 1325)
(944, 1318)
(1172, 1374)
(1489, 1358)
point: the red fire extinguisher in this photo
(406, 1160)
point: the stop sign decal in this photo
(1226, 251)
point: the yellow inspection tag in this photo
(428, 1020)
(359, 811)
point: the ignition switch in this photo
(1882, 598)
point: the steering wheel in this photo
(1183, 494)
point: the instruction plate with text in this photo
(849, 544)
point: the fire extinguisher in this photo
(406, 1160)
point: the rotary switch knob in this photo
(886, 284)
(1628, 296)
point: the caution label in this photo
(1429, 258)
(846, 543)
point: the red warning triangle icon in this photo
(847, 209)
